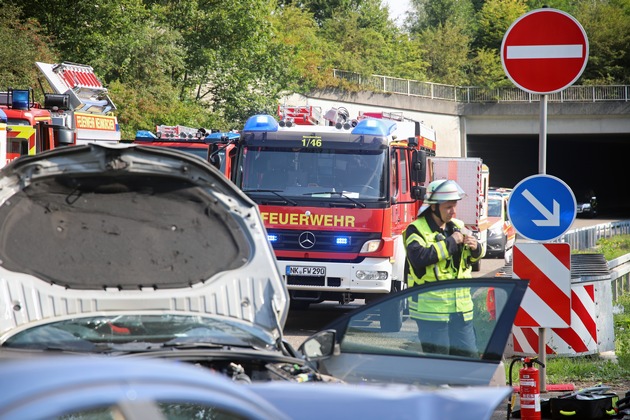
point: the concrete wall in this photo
(454, 121)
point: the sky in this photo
(397, 8)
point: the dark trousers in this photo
(455, 337)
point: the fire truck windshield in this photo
(302, 173)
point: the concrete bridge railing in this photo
(474, 94)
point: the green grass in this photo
(594, 368)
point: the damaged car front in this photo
(130, 250)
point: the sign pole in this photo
(542, 142)
(543, 51)
(542, 168)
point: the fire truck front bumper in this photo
(372, 275)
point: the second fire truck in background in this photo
(216, 147)
(80, 103)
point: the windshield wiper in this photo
(276, 192)
(340, 194)
(203, 345)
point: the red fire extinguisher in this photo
(529, 389)
(529, 379)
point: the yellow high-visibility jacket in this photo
(432, 256)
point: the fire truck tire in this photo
(391, 317)
(299, 305)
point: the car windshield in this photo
(494, 208)
(140, 332)
(321, 173)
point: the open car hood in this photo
(100, 228)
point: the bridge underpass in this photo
(595, 161)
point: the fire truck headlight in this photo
(370, 246)
(371, 275)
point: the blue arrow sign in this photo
(542, 208)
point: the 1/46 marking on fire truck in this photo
(311, 141)
(296, 270)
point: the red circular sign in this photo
(544, 51)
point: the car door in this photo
(355, 349)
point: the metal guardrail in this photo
(586, 238)
(474, 94)
(590, 268)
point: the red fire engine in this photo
(80, 103)
(216, 147)
(335, 200)
(29, 126)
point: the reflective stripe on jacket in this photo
(437, 306)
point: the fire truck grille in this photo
(314, 281)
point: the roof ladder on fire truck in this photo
(300, 115)
(395, 116)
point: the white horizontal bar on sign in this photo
(516, 52)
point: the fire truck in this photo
(29, 127)
(335, 196)
(219, 148)
(473, 176)
(80, 103)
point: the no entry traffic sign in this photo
(544, 51)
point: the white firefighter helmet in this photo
(440, 191)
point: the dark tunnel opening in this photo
(597, 162)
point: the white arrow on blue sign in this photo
(542, 207)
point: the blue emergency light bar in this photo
(262, 122)
(213, 137)
(20, 98)
(272, 238)
(145, 135)
(374, 127)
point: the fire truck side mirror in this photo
(418, 192)
(418, 166)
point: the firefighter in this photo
(438, 250)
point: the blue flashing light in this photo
(20, 98)
(3, 117)
(222, 136)
(374, 127)
(272, 238)
(144, 135)
(262, 122)
(342, 240)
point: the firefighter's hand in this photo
(458, 236)
(470, 241)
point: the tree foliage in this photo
(213, 63)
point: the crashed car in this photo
(138, 251)
(126, 249)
